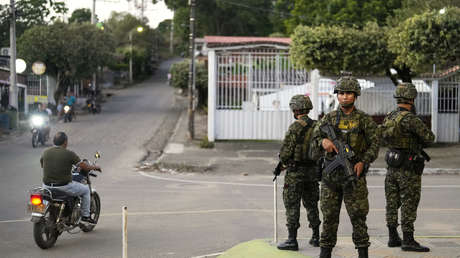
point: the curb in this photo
(259, 248)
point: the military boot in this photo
(409, 244)
(314, 241)
(326, 252)
(362, 252)
(393, 240)
(291, 243)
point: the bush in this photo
(206, 144)
(179, 79)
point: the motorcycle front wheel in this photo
(35, 140)
(45, 234)
(95, 210)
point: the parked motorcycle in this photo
(68, 113)
(53, 211)
(38, 123)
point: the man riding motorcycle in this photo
(57, 164)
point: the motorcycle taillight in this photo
(36, 199)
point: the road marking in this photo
(266, 185)
(14, 220)
(207, 255)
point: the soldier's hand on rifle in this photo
(359, 167)
(329, 146)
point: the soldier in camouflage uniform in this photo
(359, 131)
(405, 135)
(301, 181)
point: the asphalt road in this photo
(172, 215)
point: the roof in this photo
(220, 41)
(442, 73)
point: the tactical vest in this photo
(303, 143)
(392, 133)
(352, 132)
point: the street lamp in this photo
(139, 29)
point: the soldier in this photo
(358, 130)
(301, 181)
(405, 135)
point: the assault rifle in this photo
(342, 158)
(277, 170)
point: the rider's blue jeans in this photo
(77, 189)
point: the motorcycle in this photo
(38, 124)
(53, 212)
(93, 106)
(68, 113)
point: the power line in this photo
(253, 7)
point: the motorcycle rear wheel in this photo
(35, 140)
(45, 234)
(95, 210)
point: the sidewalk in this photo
(260, 157)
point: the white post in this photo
(314, 75)
(14, 91)
(275, 212)
(434, 108)
(212, 84)
(125, 231)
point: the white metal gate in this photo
(249, 94)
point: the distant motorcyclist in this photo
(46, 114)
(57, 164)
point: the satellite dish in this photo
(20, 65)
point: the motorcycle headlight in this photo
(66, 109)
(37, 121)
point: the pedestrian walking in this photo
(300, 181)
(405, 134)
(356, 129)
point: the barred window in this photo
(448, 98)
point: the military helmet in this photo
(348, 83)
(405, 90)
(300, 102)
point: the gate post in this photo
(212, 84)
(314, 80)
(434, 108)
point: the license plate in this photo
(36, 208)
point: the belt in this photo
(56, 184)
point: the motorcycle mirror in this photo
(97, 155)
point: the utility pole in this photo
(93, 21)
(13, 84)
(171, 35)
(191, 126)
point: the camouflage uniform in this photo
(403, 184)
(360, 132)
(404, 133)
(300, 182)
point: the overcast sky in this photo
(154, 13)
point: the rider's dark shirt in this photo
(57, 165)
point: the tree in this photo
(334, 48)
(333, 12)
(431, 37)
(29, 13)
(69, 51)
(223, 17)
(80, 16)
(120, 25)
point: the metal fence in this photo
(37, 85)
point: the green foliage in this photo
(80, 16)
(120, 26)
(29, 13)
(68, 50)
(332, 12)
(334, 48)
(222, 17)
(179, 73)
(427, 38)
(206, 144)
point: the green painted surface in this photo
(259, 248)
